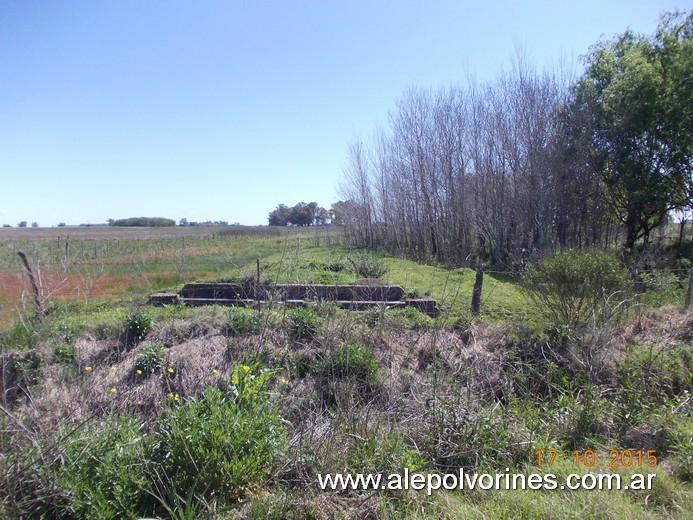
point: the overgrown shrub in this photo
(151, 358)
(335, 267)
(223, 443)
(64, 353)
(304, 323)
(62, 337)
(575, 288)
(353, 360)
(367, 265)
(137, 326)
(349, 374)
(584, 419)
(470, 436)
(383, 453)
(660, 287)
(373, 316)
(657, 373)
(65, 332)
(243, 320)
(650, 381)
(103, 470)
(408, 318)
(20, 336)
(19, 371)
(304, 364)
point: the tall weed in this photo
(225, 439)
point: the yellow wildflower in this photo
(88, 369)
(113, 369)
(113, 390)
(139, 372)
(170, 370)
(215, 371)
(245, 368)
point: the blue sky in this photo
(220, 110)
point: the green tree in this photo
(343, 212)
(638, 93)
(302, 214)
(280, 216)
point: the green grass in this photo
(379, 390)
(668, 499)
(139, 267)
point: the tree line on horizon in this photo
(311, 214)
(535, 160)
(302, 214)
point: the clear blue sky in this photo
(220, 110)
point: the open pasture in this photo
(97, 263)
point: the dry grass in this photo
(662, 327)
(464, 371)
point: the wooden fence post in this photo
(476, 292)
(34, 285)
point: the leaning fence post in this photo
(34, 285)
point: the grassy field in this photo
(93, 264)
(96, 263)
(115, 409)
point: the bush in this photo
(383, 453)
(151, 358)
(64, 353)
(575, 288)
(353, 360)
(471, 436)
(373, 316)
(243, 320)
(585, 419)
(17, 337)
(137, 326)
(305, 364)
(335, 267)
(409, 318)
(368, 265)
(223, 442)
(103, 472)
(303, 323)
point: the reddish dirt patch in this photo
(14, 286)
(15, 291)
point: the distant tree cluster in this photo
(301, 214)
(142, 222)
(207, 223)
(532, 162)
(345, 213)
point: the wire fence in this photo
(107, 267)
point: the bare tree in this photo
(496, 172)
